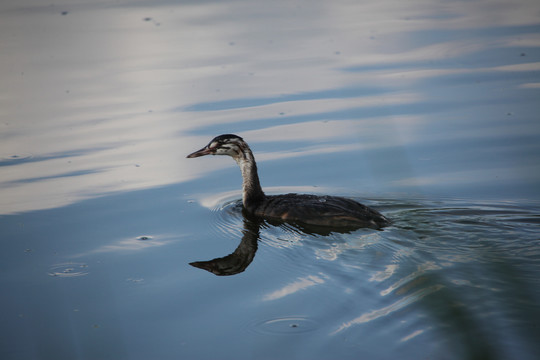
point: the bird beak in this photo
(204, 151)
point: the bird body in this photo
(328, 211)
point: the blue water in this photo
(427, 112)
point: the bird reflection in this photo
(243, 255)
(240, 259)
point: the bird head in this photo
(227, 144)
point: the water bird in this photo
(302, 209)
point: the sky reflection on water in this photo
(126, 85)
(385, 101)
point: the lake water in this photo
(424, 110)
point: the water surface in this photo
(426, 111)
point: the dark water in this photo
(426, 111)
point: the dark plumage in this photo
(328, 211)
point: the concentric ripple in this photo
(13, 159)
(70, 269)
(228, 218)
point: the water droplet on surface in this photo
(286, 325)
(14, 158)
(68, 270)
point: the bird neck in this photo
(252, 193)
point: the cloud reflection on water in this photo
(131, 244)
(301, 284)
(102, 78)
(398, 305)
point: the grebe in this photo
(327, 211)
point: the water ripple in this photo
(400, 304)
(285, 326)
(227, 219)
(15, 159)
(68, 270)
